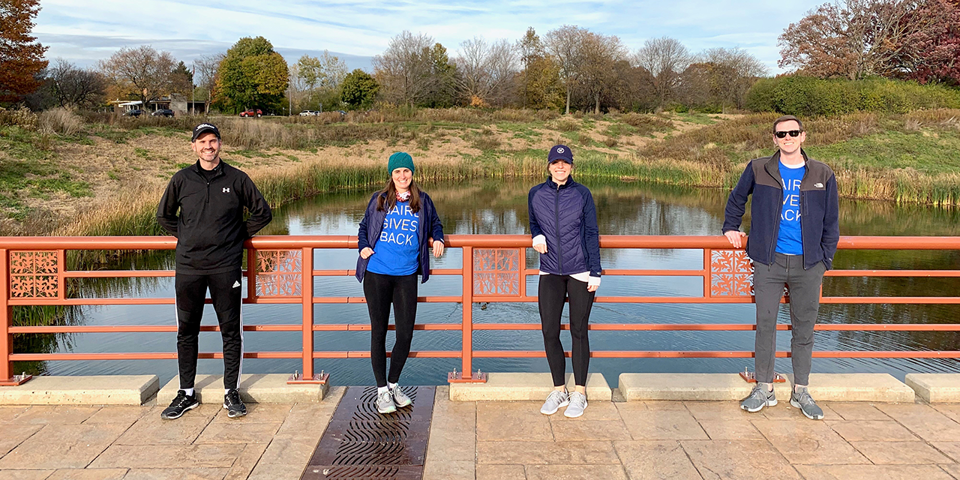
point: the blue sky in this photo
(85, 31)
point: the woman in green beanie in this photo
(398, 227)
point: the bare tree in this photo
(142, 72)
(564, 44)
(721, 76)
(487, 72)
(206, 69)
(404, 69)
(599, 55)
(665, 58)
(72, 86)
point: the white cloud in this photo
(86, 31)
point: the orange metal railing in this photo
(281, 271)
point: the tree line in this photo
(567, 68)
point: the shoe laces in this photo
(557, 395)
(804, 398)
(578, 398)
(384, 396)
(181, 398)
(233, 398)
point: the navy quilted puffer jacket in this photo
(566, 216)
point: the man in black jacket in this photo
(794, 231)
(203, 207)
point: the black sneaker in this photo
(180, 405)
(233, 404)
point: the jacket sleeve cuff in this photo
(540, 240)
(593, 281)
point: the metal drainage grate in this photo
(360, 443)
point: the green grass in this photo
(698, 118)
(926, 153)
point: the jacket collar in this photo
(218, 170)
(554, 185)
(772, 166)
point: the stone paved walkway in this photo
(692, 440)
(497, 440)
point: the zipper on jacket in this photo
(556, 211)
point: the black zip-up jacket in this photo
(819, 210)
(210, 229)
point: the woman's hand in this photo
(540, 248)
(366, 252)
(592, 288)
(437, 248)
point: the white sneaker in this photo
(556, 399)
(385, 402)
(578, 402)
(400, 399)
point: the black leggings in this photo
(554, 289)
(380, 291)
(225, 291)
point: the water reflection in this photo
(500, 207)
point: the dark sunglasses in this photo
(792, 133)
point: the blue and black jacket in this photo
(567, 217)
(372, 225)
(819, 210)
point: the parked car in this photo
(309, 113)
(163, 112)
(252, 113)
(133, 113)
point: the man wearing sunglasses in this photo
(794, 230)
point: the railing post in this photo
(306, 300)
(467, 342)
(306, 293)
(466, 354)
(6, 316)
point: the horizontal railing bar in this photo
(486, 299)
(894, 273)
(602, 327)
(39, 357)
(275, 242)
(530, 272)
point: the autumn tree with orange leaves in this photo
(913, 39)
(21, 57)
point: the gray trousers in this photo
(804, 286)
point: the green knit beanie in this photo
(400, 160)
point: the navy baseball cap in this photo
(205, 128)
(560, 152)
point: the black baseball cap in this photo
(205, 128)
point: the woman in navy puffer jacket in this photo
(563, 222)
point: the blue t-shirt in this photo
(396, 251)
(790, 240)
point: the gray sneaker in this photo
(556, 399)
(760, 397)
(385, 402)
(805, 403)
(400, 399)
(578, 402)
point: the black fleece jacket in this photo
(209, 228)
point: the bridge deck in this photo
(496, 440)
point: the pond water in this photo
(500, 207)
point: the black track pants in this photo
(225, 291)
(553, 290)
(380, 291)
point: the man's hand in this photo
(735, 237)
(540, 247)
(366, 252)
(437, 248)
